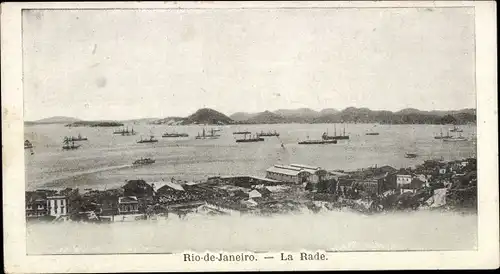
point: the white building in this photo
(403, 179)
(57, 205)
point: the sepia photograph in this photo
(192, 131)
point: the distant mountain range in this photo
(357, 115)
(301, 115)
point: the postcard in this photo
(215, 136)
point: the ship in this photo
(150, 140)
(143, 161)
(251, 139)
(69, 145)
(28, 144)
(447, 136)
(78, 138)
(317, 142)
(456, 129)
(455, 139)
(204, 135)
(268, 134)
(411, 155)
(372, 133)
(335, 136)
(242, 132)
(174, 135)
(125, 132)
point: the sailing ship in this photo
(27, 144)
(456, 129)
(204, 135)
(447, 136)
(150, 140)
(268, 134)
(69, 144)
(143, 161)
(255, 138)
(78, 138)
(174, 135)
(335, 136)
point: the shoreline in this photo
(450, 186)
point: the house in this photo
(36, 208)
(344, 185)
(57, 205)
(128, 205)
(413, 186)
(109, 206)
(369, 185)
(403, 177)
(288, 174)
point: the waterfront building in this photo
(288, 174)
(128, 205)
(57, 205)
(317, 174)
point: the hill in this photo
(301, 115)
(54, 120)
(242, 116)
(207, 116)
(266, 117)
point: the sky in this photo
(126, 64)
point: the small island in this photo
(95, 124)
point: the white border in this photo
(16, 261)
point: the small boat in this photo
(212, 135)
(317, 142)
(268, 134)
(251, 139)
(372, 133)
(69, 145)
(150, 140)
(174, 135)
(411, 155)
(143, 161)
(456, 129)
(78, 138)
(27, 144)
(242, 132)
